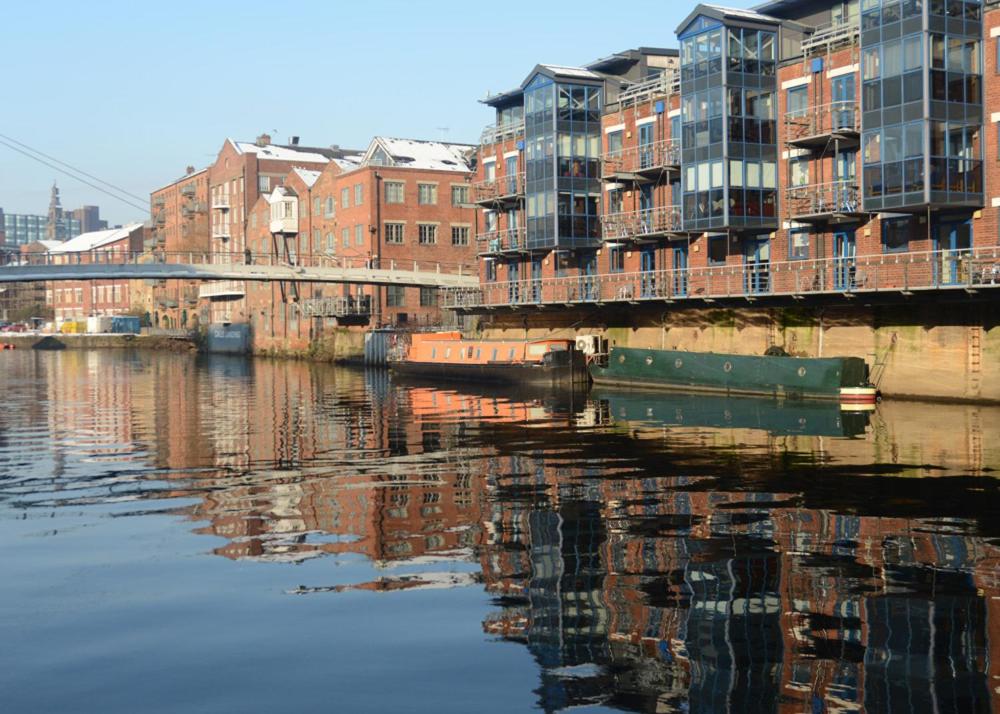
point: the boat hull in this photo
(785, 377)
(532, 375)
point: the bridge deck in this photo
(191, 266)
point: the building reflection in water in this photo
(653, 553)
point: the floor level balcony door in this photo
(536, 280)
(647, 268)
(646, 158)
(757, 265)
(513, 284)
(844, 264)
(680, 265)
(953, 240)
(588, 281)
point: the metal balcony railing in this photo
(822, 121)
(221, 232)
(222, 289)
(496, 133)
(901, 273)
(501, 188)
(667, 83)
(221, 201)
(819, 200)
(509, 240)
(653, 157)
(337, 307)
(634, 225)
(831, 35)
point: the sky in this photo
(133, 93)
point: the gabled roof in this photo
(419, 154)
(280, 192)
(278, 153)
(95, 239)
(307, 176)
(723, 13)
(558, 71)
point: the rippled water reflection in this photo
(222, 535)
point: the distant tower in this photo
(53, 227)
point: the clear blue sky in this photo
(133, 92)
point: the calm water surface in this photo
(223, 535)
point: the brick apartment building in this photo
(80, 299)
(241, 173)
(178, 224)
(795, 148)
(401, 201)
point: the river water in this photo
(199, 534)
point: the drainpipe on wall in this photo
(377, 292)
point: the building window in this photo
(428, 297)
(393, 191)
(345, 198)
(359, 192)
(317, 206)
(895, 235)
(798, 244)
(345, 237)
(798, 101)
(263, 184)
(331, 243)
(491, 271)
(427, 194)
(427, 234)
(459, 195)
(616, 260)
(359, 234)
(394, 296)
(799, 172)
(615, 143)
(717, 250)
(394, 233)
(460, 235)
(330, 207)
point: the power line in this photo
(129, 202)
(69, 166)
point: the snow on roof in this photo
(745, 14)
(278, 153)
(349, 163)
(95, 239)
(565, 71)
(308, 177)
(419, 154)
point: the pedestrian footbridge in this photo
(210, 267)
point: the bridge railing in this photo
(246, 258)
(902, 273)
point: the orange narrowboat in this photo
(448, 356)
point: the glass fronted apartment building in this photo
(787, 150)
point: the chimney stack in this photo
(263, 140)
(294, 141)
(189, 170)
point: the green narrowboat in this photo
(842, 378)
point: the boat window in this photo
(536, 350)
(511, 354)
(494, 357)
(447, 353)
(434, 352)
(479, 353)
